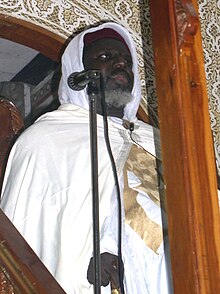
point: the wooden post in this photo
(187, 148)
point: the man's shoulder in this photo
(53, 128)
(33, 136)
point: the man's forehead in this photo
(107, 44)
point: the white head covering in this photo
(72, 62)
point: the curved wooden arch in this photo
(31, 35)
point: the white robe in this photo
(47, 195)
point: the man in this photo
(47, 187)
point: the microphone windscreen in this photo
(72, 83)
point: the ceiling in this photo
(23, 64)
(13, 58)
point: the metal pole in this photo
(92, 93)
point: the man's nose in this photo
(119, 62)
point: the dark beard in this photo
(117, 98)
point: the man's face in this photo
(114, 60)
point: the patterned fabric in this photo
(143, 165)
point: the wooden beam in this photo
(187, 148)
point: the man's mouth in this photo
(120, 79)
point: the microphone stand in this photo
(93, 92)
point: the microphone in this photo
(78, 80)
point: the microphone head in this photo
(72, 83)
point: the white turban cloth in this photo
(72, 62)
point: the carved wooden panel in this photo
(5, 285)
(11, 126)
(186, 22)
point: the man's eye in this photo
(105, 56)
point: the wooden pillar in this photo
(187, 148)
